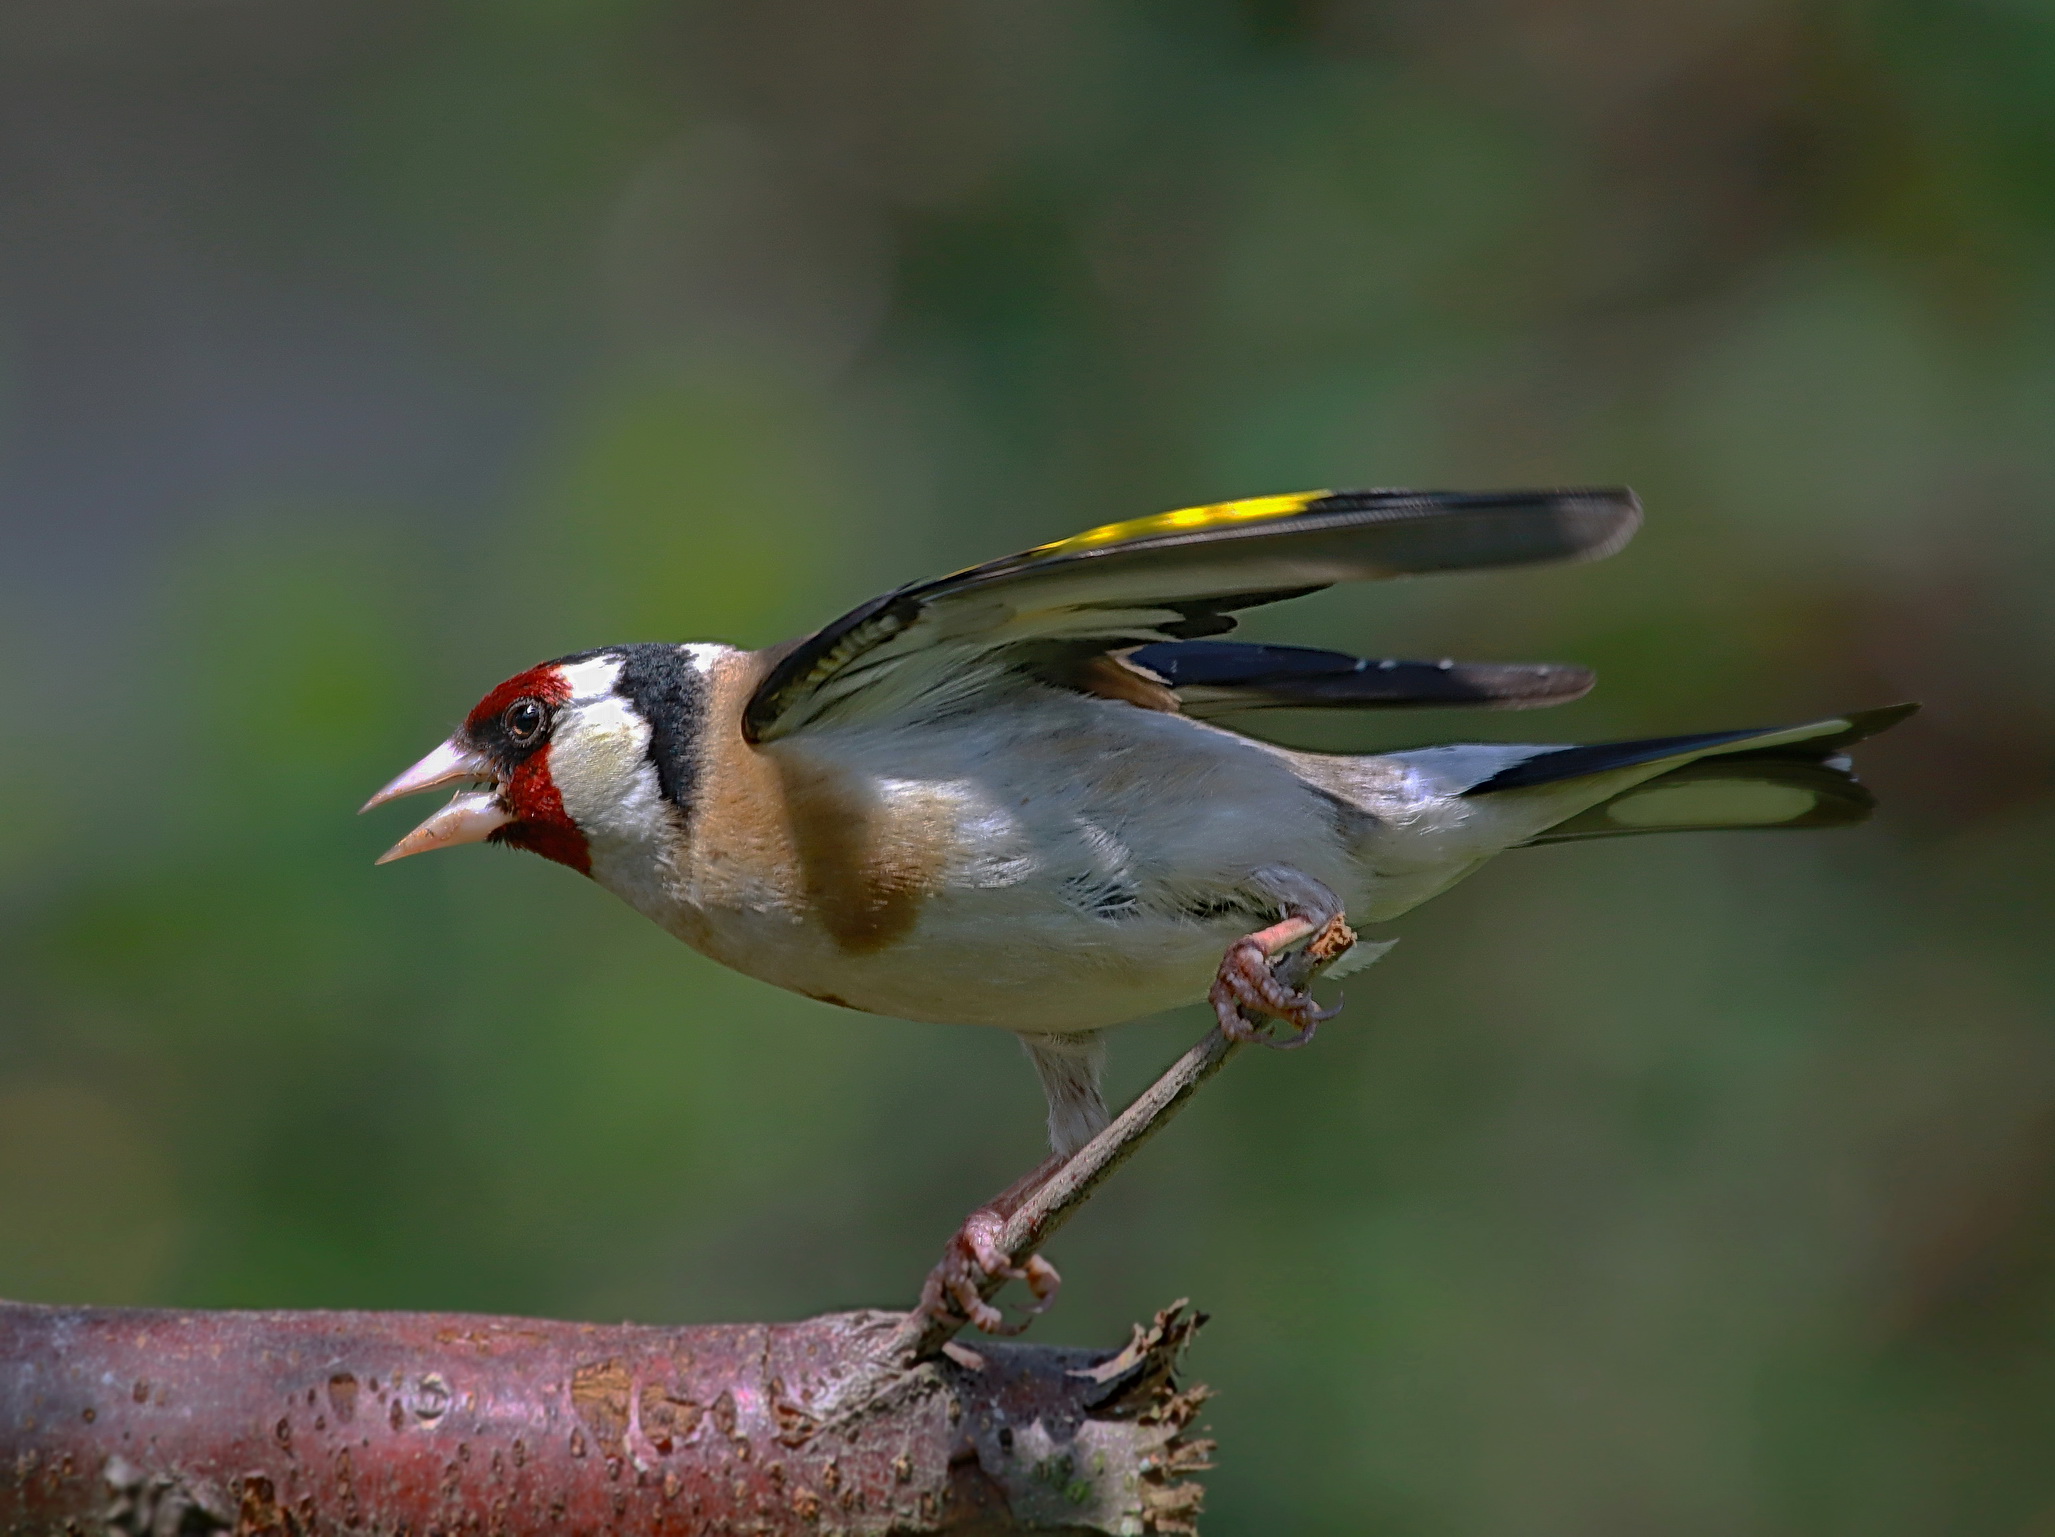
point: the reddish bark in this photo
(168, 1423)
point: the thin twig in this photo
(1054, 1202)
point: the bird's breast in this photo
(869, 852)
(803, 840)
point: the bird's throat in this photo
(541, 825)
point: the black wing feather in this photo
(1213, 677)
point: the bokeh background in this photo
(357, 353)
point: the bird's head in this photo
(588, 760)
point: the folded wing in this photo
(1177, 576)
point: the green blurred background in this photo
(357, 353)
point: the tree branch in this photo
(173, 1424)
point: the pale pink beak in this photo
(470, 817)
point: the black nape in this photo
(670, 692)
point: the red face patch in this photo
(540, 823)
(546, 683)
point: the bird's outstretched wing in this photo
(1176, 576)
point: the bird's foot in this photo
(1247, 993)
(971, 1260)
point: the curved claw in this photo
(1246, 993)
(973, 1257)
(1042, 1280)
(1303, 1036)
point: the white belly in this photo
(985, 962)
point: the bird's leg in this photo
(1069, 1067)
(1026, 1213)
(1246, 993)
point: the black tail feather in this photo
(1726, 793)
(1576, 762)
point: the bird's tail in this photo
(1434, 814)
(1790, 777)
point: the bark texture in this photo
(117, 1421)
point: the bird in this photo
(1022, 796)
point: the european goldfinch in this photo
(1001, 797)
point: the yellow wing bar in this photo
(1185, 520)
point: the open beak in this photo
(470, 817)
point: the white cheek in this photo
(600, 766)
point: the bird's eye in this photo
(524, 720)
